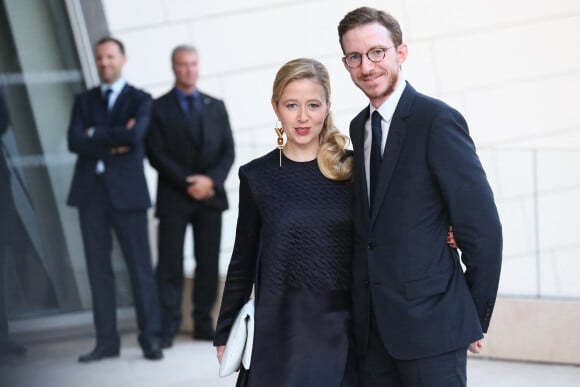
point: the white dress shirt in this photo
(387, 109)
(115, 91)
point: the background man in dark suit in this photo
(416, 172)
(190, 144)
(106, 131)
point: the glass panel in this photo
(41, 250)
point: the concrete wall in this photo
(509, 67)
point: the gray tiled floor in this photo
(52, 363)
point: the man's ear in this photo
(402, 52)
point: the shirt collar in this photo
(387, 109)
(115, 87)
(183, 95)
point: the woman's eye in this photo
(313, 106)
(291, 106)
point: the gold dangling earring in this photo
(280, 133)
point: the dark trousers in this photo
(97, 220)
(206, 224)
(379, 369)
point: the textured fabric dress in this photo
(297, 225)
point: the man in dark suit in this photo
(416, 312)
(190, 145)
(107, 131)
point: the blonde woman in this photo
(294, 242)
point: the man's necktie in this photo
(106, 97)
(195, 116)
(191, 106)
(376, 156)
(100, 168)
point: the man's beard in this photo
(394, 78)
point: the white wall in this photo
(511, 67)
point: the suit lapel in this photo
(183, 120)
(98, 104)
(119, 102)
(357, 138)
(178, 112)
(204, 111)
(393, 146)
(358, 143)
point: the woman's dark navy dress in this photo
(297, 225)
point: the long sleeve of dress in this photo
(242, 267)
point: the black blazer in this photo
(430, 178)
(173, 153)
(124, 174)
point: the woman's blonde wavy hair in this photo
(333, 161)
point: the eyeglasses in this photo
(375, 55)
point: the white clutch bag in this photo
(238, 350)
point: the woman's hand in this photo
(220, 352)
(450, 238)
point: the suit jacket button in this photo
(371, 246)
